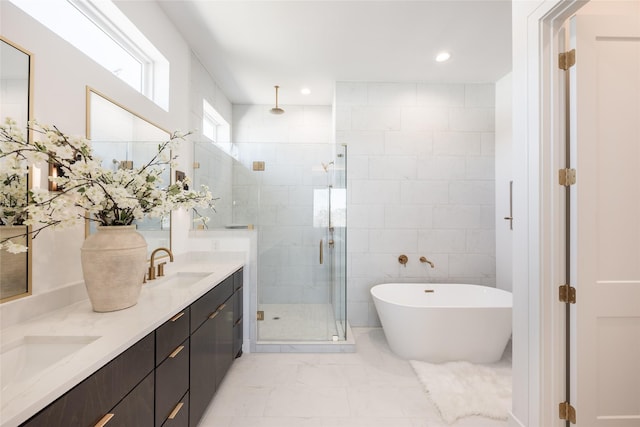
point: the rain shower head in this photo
(276, 109)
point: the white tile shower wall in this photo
(279, 200)
(420, 183)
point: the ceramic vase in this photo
(113, 266)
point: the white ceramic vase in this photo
(113, 265)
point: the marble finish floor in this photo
(297, 322)
(369, 388)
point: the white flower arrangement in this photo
(86, 189)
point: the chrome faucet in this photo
(152, 272)
(423, 260)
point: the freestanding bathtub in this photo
(444, 322)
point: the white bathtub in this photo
(444, 322)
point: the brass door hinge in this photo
(567, 60)
(260, 315)
(567, 294)
(567, 177)
(567, 412)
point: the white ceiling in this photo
(250, 46)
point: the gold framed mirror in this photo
(125, 139)
(16, 102)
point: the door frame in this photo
(538, 264)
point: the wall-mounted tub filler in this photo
(423, 260)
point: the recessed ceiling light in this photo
(305, 91)
(443, 56)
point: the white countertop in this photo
(116, 331)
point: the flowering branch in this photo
(108, 197)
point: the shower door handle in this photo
(321, 253)
(510, 217)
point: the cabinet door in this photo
(172, 381)
(202, 375)
(136, 409)
(224, 340)
(89, 401)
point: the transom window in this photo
(101, 31)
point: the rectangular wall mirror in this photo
(124, 139)
(16, 76)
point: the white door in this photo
(605, 220)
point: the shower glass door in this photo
(300, 213)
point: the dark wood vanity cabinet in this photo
(168, 378)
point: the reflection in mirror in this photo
(124, 139)
(15, 88)
(214, 168)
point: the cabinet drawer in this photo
(209, 302)
(179, 416)
(172, 381)
(171, 334)
(89, 401)
(136, 409)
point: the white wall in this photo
(504, 165)
(420, 183)
(61, 74)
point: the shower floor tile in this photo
(369, 388)
(296, 322)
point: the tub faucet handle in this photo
(423, 260)
(403, 259)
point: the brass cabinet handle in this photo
(176, 351)
(221, 307)
(176, 317)
(104, 420)
(237, 321)
(175, 411)
(214, 314)
(321, 253)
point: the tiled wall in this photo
(420, 183)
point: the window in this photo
(216, 128)
(102, 32)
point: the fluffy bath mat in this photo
(462, 389)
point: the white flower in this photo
(86, 188)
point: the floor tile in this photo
(370, 388)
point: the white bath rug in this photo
(462, 389)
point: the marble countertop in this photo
(107, 334)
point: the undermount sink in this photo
(28, 356)
(182, 278)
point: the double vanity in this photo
(155, 364)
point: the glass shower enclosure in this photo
(298, 199)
